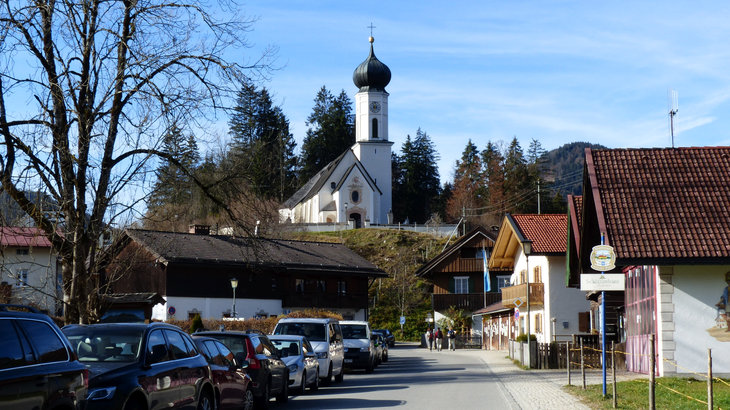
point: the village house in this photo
(218, 276)
(665, 213)
(30, 272)
(533, 248)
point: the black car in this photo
(269, 373)
(142, 366)
(38, 367)
(389, 336)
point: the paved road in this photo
(415, 378)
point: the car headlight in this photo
(321, 355)
(102, 393)
(365, 349)
(293, 368)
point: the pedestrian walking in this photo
(429, 338)
(451, 334)
(439, 338)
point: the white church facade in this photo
(356, 186)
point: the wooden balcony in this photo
(465, 301)
(511, 293)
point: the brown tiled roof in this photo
(578, 205)
(172, 247)
(664, 202)
(23, 237)
(473, 237)
(548, 232)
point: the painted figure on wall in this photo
(723, 319)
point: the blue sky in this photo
(557, 72)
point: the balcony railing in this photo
(510, 294)
(465, 301)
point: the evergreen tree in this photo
(493, 179)
(419, 186)
(262, 148)
(398, 186)
(518, 188)
(468, 190)
(331, 131)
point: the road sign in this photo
(402, 320)
(602, 281)
(518, 302)
(517, 314)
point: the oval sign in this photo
(171, 310)
(603, 258)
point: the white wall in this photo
(696, 291)
(43, 283)
(213, 308)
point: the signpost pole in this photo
(603, 328)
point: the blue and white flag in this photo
(487, 280)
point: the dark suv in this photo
(38, 367)
(269, 373)
(142, 366)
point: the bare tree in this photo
(87, 89)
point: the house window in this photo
(321, 286)
(502, 282)
(300, 285)
(341, 287)
(22, 251)
(273, 284)
(333, 185)
(537, 274)
(355, 196)
(461, 284)
(21, 279)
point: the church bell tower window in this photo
(375, 128)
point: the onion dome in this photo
(371, 74)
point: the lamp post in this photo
(234, 285)
(527, 249)
(347, 220)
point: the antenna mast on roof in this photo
(673, 103)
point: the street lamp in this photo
(527, 249)
(234, 285)
(347, 220)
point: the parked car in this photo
(359, 348)
(389, 336)
(298, 355)
(377, 347)
(325, 336)
(38, 366)
(268, 372)
(233, 388)
(141, 366)
(381, 344)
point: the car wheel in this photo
(205, 402)
(283, 395)
(248, 400)
(385, 357)
(135, 403)
(369, 368)
(303, 384)
(340, 376)
(315, 386)
(262, 402)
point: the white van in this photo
(325, 336)
(359, 350)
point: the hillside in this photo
(564, 165)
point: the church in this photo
(356, 186)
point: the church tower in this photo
(372, 147)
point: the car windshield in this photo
(354, 332)
(107, 344)
(314, 332)
(286, 347)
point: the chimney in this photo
(199, 229)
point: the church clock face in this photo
(374, 107)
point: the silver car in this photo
(299, 356)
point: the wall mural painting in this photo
(721, 330)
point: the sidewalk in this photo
(542, 389)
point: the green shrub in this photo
(523, 338)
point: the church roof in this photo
(371, 74)
(316, 183)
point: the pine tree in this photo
(468, 191)
(518, 187)
(331, 131)
(493, 179)
(262, 148)
(418, 188)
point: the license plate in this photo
(348, 360)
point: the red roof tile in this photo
(665, 202)
(23, 237)
(548, 232)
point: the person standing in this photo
(429, 338)
(439, 338)
(451, 334)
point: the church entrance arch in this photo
(357, 218)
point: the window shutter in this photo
(452, 285)
(584, 321)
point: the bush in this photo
(523, 338)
